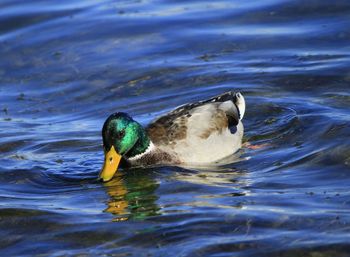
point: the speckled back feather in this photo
(190, 127)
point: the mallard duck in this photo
(198, 133)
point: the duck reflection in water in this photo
(132, 196)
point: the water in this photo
(66, 65)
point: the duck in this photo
(200, 133)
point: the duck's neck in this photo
(142, 146)
(148, 150)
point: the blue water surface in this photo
(66, 65)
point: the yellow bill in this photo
(110, 166)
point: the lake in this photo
(66, 65)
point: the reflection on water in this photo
(118, 205)
(132, 197)
(66, 65)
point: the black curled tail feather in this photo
(227, 96)
(232, 113)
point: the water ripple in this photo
(67, 65)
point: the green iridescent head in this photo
(122, 138)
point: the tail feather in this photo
(240, 103)
(233, 104)
(236, 98)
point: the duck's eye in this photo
(110, 159)
(120, 134)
